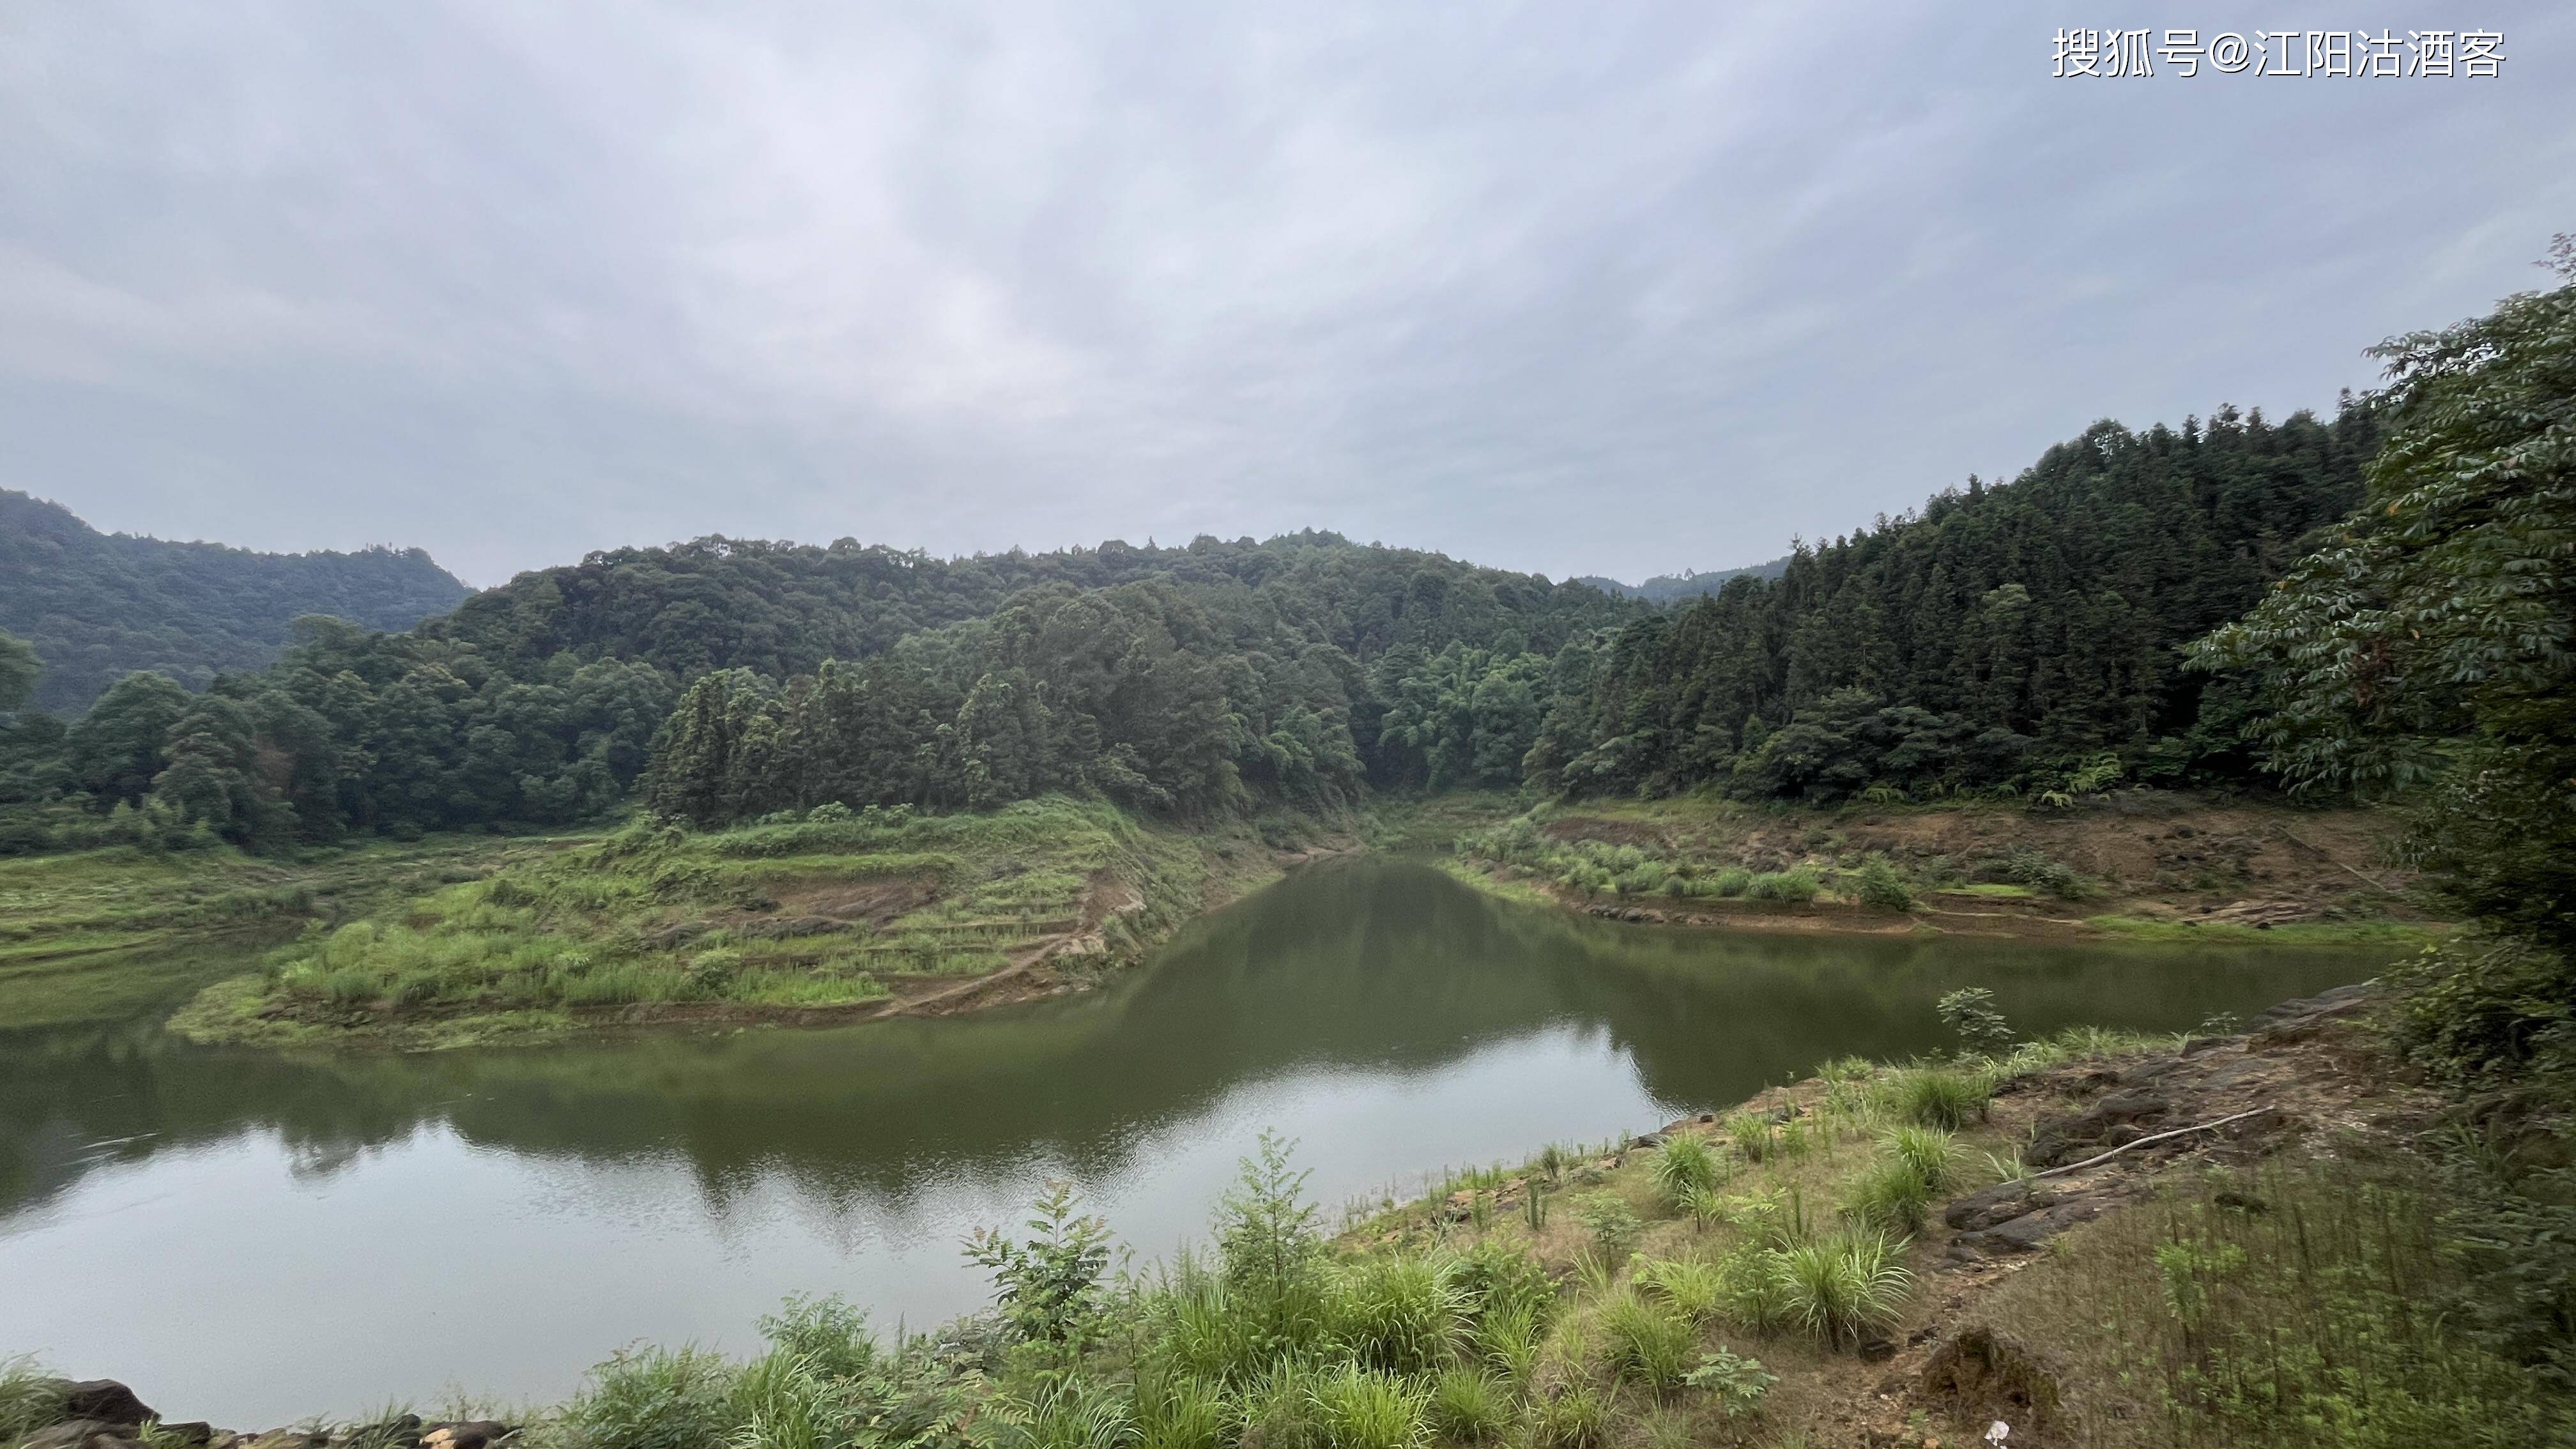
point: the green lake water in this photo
(253, 1238)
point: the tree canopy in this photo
(97, 607)
(2424, 653)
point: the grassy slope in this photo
(2156, 867)
(2294, 1301)
(870, 913)
(83, 934)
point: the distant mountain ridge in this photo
(98, 606)
(1688, 584)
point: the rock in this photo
(466, 1434)
(2028, 1232)
(192, 1431)
(2305, 1017)
(80, 1434)
(1877, 1348)
(1651, 1139)
(105, 1400)
(2200, 1044)
(2000, 1203)
(2069, 1139)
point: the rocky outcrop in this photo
(105, 1414)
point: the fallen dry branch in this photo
(2143, 1141)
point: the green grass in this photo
(30, 1399)
(1946, 1098)
(2295, 933)
(787, 916)
(2307, 1305)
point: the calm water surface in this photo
(254, 1238)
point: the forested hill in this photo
(2019, 638)
(2022, 635)
(779, 609)
(99, 606)
(1688, 584)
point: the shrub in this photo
(1646, 1342)
(1732, 881)
(1737, 1384)
(1682, 1164)
(1970, 1011)
(1880, 888)
(1467, 1408)
(1796, 886)
(1754, 1291)
(1612, 1224)
(1358, 1409)
(1048, 1288)
(825, 1332)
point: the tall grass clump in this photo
(1357, 1409)
(1929, 1153)
(1063, 1413)
(1845, 1289)
(30, 1399)
(1683, 1164)
(1890, 1195)
(1466, 1407)
(1177, 1411)
(1936, 1097)
(656, 1398)
(1509, 1339)
(1576, 1418)
(1753, 1134)
(1693, 1286)
(1401, 1315)
(1647, 1342)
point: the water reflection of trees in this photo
(1366, 965)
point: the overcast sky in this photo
(1564, 288)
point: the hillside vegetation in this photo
(98, 607)
(838, 914)
(2021, 640)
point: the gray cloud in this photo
(1567, 289)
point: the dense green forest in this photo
(97, 607)
(2027, 633)
(2023, 637)
(1688, 584)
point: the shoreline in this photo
(1126, 912)
(2097, 1116)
